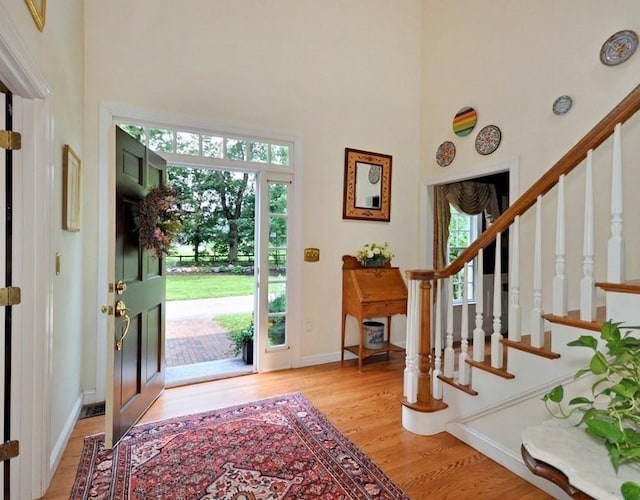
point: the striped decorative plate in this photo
(464, 121)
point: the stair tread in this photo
(486, 366)
(452, 382)
(573, 319)
(525, 345)
(629, 286)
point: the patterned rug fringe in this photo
(276, 448)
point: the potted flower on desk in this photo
(374, 255)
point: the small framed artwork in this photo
(71, 190)
(37, 9)
(367, 186)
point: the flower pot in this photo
(247, 352)
(375, 262)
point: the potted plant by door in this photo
(242, 340)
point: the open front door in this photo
(136, 358)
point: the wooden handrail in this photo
(596, 136)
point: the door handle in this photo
(122, 312)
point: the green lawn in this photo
(187, 287)
(233, 322)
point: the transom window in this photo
(214, 146)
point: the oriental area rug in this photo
(277, 448)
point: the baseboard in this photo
(504, 457)
(321, 359)
(63, 438)
(331, 357)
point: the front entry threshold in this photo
(176, 376)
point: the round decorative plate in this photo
(464, 121)
(446, 153)
(618, 48)
(562, 105)
(488, 139)
(374, 173)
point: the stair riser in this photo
(623, 307)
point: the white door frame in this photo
(510, 165)
(110, 114)
(32, 471)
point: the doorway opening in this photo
(463, 228)
(211, 285)
(264, 168)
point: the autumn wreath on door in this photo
(158, 220)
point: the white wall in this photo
(510, 61)
(335, 74)
(56, 58)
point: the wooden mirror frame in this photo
(350, 209)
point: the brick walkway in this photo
(192, 341)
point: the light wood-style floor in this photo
(364, 406)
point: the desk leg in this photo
(388, 336)
(344, 324)
(360, 344)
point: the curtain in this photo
(468, 197)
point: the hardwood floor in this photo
(364, 406)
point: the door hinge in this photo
(9, 450)
(9, 139)
(9, 296)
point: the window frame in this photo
(472, 229)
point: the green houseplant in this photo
(612, 413)
(242, 340)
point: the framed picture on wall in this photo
(71, 190)
(37, 9)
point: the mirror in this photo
(367, 186)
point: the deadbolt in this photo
(121, 287)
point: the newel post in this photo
(418, 392)
(425, 363)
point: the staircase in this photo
(487, 400)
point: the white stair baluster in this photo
(478, 332)
(436, 383)
(587, 284)
(615, 247)
(537, 322)
(463, 367)
(560, 279)
(411, 370)
(515, 328)
(496, 336)
(449, 358)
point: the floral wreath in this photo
(158, 220)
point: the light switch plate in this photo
(311, 254)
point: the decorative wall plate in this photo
(446, 153)
(618, 48)
(562, 105)
(464, 121)
(488, 139)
